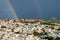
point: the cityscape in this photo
(29, 19)
(29, 29)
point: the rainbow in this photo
(37, 6)
(12, 8)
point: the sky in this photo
(34, 9)
(5, 10)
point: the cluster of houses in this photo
(24, 30)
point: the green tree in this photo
(3, 27)
(46, 26)
(52, 27)
(58, 28)
(36, 33)
(17, 25)
(50, 38)
(17, 32)
(57, 38)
